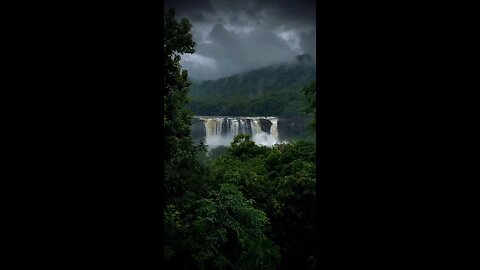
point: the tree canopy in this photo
(273, 91)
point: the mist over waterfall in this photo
(221, 130)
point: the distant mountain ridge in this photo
(269, 91)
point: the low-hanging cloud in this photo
(236, 36)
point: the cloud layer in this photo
(235, 36)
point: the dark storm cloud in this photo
(235, 36)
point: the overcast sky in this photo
(237, 35)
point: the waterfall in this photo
(234, 123)
(222, 130)
(210, 127)
(274, 128)
(255, 125)
(219, 126)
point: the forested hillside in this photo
(273, 91)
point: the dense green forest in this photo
(242, 207)
(273, 90)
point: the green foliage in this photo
(230, 231)
(244, 148)
(259, 211)
(260, 253)
(177, 120)
(281, 182)
(271, 90)
(310, 92)
(179, 151)
(183, 171)
(217, 152)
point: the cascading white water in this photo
(210, 127)
(274, 128)
(233, 126)
(242, 126)
(255, 125)
(219, 126)
(222, 130)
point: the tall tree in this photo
(179, 151)
(178, 40)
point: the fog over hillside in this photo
(274, 90)
(237, 36)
